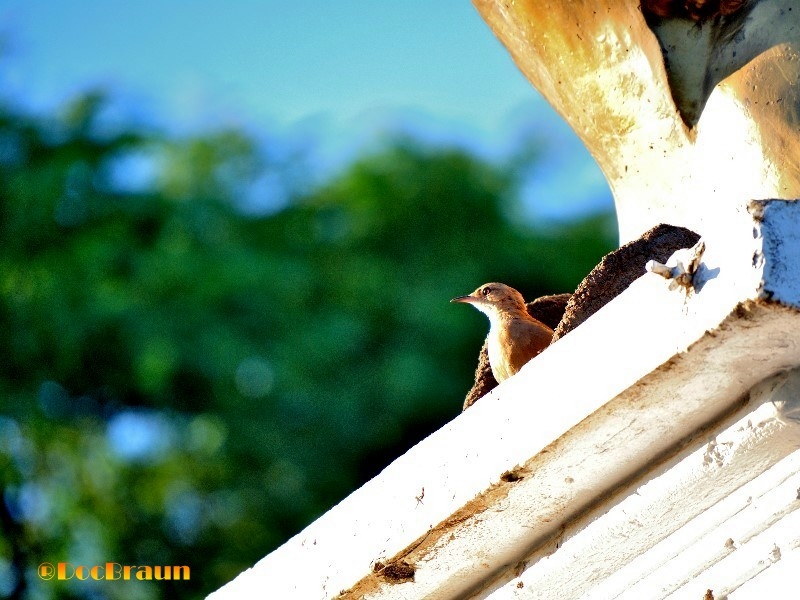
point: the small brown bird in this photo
(515, 337)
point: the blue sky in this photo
(342, 73)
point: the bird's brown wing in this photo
(528, 338)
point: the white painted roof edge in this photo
(622, 363)
(709, 518)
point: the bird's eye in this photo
(486, 291)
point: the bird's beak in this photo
(468, 299)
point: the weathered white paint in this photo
(670, 538)
(582, 423)
(780, 249)
(681, 267)
(777, 581)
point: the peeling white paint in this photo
(663, 540)
(780, 250)
(681, 267)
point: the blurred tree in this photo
(186, 381)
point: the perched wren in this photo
(515, 337)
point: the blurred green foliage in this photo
(187, 380)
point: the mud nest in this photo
(697, 10)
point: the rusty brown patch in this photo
(512, 475)
(395, 572)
